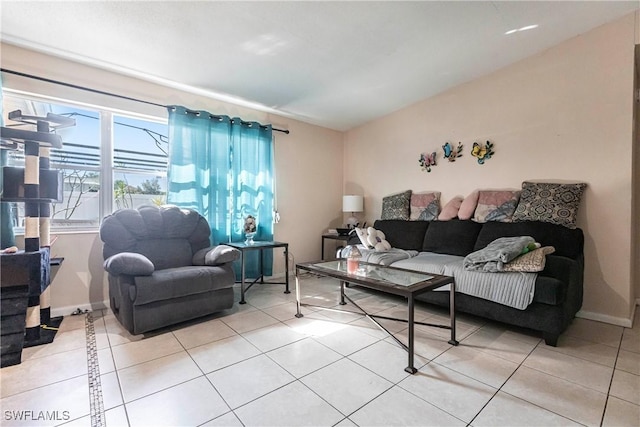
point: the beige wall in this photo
(565, 114)
(308, 168)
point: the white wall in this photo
(308, 168)
(562, 115)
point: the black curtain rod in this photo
(44, 79)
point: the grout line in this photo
(96, 403)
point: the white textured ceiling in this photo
(335, 64)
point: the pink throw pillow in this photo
(468, 206)
(450, 210)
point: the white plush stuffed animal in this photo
(373, 239)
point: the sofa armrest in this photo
(129, 263)
(216, 255)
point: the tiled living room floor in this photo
(259, 365)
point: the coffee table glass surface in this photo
(396, 281)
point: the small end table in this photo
(332, 236)
(260, 246)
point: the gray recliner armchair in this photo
(162, 269)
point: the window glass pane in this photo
(140, 145)
(132, 190)
(139, 161)
(78, 159)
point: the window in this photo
(125, 154)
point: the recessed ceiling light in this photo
(528, 27)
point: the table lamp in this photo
(352, 204)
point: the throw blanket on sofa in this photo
(513, 289)
(496, 254)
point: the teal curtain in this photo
(223, 168)
(7, 238)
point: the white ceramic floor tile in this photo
(49, 405)
(478, 365)
(346, 341)
(621, 413)
(387, 360)
(203, 333)
(245, 381)
(398, 407)
(132, 353)
(426, 345)
(149, 377)
(591, 330)
(223, 353)
(227, 420)
(111, 393)
(631, 340)
(303, 357)
(291, 405)
(579, 371)
(449, 390)
(189, 404)
(105, 361)
(64, 341)
(629, 361)
(114, 333)
(272, 337)
(117, 417)
(43, 371)
(588, 350)
(346, 385)
(284, 312)
(497, 342)
(246, 322)
(626, 386)
(508, 411)
(570, 400)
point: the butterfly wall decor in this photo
(482, 152)
(450, 153)
(427, 160)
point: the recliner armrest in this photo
(216, 255)
(129, 263)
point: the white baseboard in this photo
(598, 317)
(65, 311)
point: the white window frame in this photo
(107, 169)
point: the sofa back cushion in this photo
(407, 235)
(567, 242)
(454, 237)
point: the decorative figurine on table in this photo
(250, 227)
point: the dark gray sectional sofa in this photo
(558, 288)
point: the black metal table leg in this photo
(286, 270)
(410, 368)
(452, 312)
(242, 301)
(298, 313)
(342, 283)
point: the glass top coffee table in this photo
(396, 281)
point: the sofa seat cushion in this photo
(549, 290)
(428, 262)
(178, 282)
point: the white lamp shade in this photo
(352, 203)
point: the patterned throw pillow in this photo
(425, 206)
(496, 205)
(549, 202)
(396, 206)
(530, 262)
